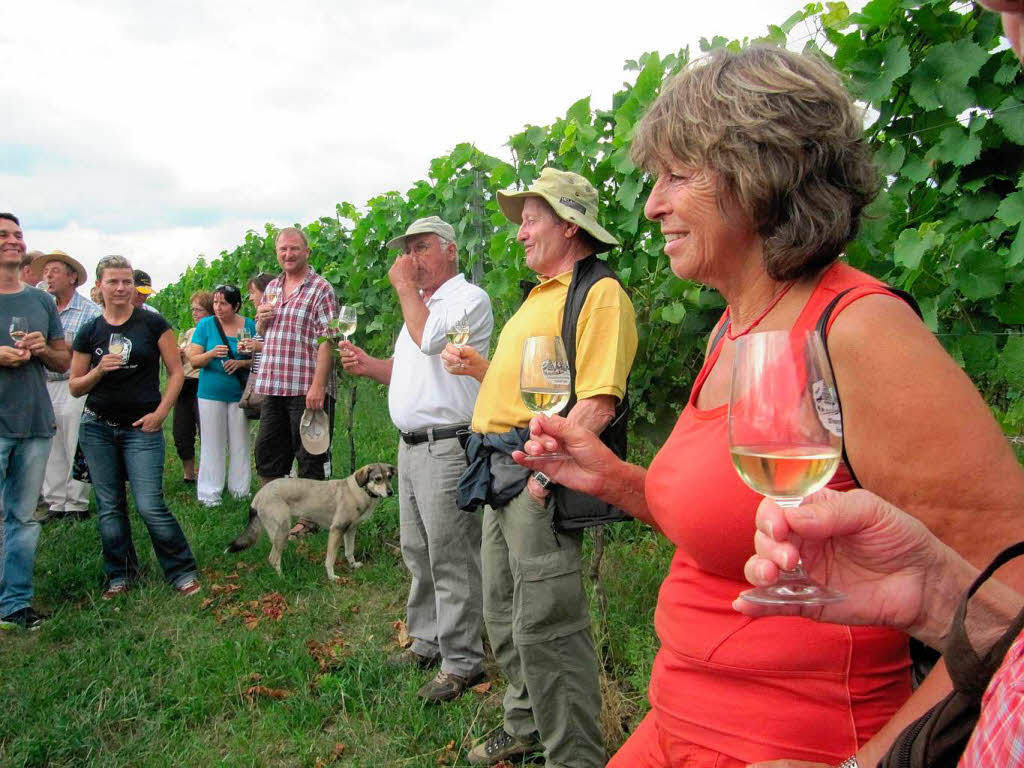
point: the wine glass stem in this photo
(797, 573)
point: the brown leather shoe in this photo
(447, 686)
(502, 745)
(409, 658)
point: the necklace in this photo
(759, 318)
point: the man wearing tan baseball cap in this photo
(532, 533)
(440, 543)
(63, 495)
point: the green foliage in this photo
(944, 116)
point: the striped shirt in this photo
(998, 738)
(290, 348)
(77, 313)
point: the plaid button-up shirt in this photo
(77, 313)
(289, 353)
(998, 738)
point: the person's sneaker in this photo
(26, 618)
(447, 686)
(502, 745)
(409, 658)
(190, 587)
(115, 590)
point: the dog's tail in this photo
(249, 536)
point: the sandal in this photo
(302, 528)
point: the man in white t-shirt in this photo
(440, 543)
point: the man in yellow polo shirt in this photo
(535, 606)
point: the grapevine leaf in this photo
(956, 146)
(1010, 117)
(629, 191)
(1011, 210)
(889, 158)
(916, 169)
(978, 277)
(1011, 363)
(978, 207)
(1010, 307)
(911, 247)
(1016, 255)
(673, 313)
(882, 68)
(877, 13)
(940, 81)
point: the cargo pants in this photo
(538, 624)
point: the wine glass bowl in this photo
(18, 328)
(346, 321)
(118, 345)
(544, 380)
(457, 329)
(785, 434)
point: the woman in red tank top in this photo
(762, 174)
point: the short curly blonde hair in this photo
(785, 141)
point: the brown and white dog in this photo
(338, 505)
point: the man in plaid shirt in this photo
(295, 372)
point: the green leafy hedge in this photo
(945, 114)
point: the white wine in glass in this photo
(118, 345)
(785, 435)
(346, 320)
(457, 328)
(18, 328)
(272, 294)
(544, 381)
(244, 338)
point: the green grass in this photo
(153, 679)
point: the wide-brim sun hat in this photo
(428, 225)
(314, 431)
(41, 261)
(573, 198)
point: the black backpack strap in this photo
(822, 326)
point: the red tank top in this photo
(755, 689)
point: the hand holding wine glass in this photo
(785, 434)
(265, 311)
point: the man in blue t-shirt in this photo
(31, 338)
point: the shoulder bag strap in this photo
(223, 336)
(822, 328)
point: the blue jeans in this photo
(22, 465)
(117, 454)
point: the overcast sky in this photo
(165, 130)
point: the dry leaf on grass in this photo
(482, 688)
(255, 691)
(227, 589)
(448, 755)
(402, 634)
(206, 603)
(327, 655)
(354, 609)
(273, 606)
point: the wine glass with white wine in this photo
(244, 337)
(457, 328)
(785, 435)
(18, 328)
(544, 381)
(346, 321)
(118, 345)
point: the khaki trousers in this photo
(535, 611)
(61, 492)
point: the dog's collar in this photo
(364, 488)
